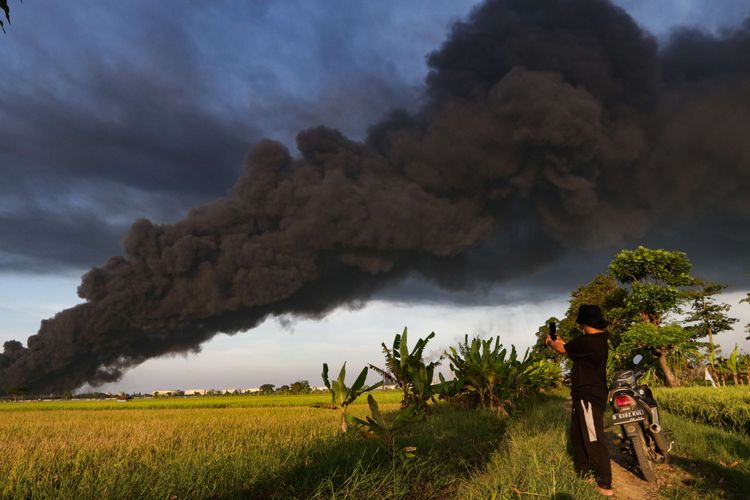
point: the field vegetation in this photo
(725, 407)
(255, 451)
(190, 403)
(271, 448)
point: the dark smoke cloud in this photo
(155, 107)
(547, 128)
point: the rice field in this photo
(725, 407)
(190, 402)
(235, 447)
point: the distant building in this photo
(196, 392)
(167, 392)
(319, 388)
(232, 390)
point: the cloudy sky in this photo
(110, 112)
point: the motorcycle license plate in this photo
(629, 416)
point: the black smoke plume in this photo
(547, 125)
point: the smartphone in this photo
(553, 330)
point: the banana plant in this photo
(489, 371)
(342, 396)
(733, 365)
(386, 431)
(409, 370)
(449, 389)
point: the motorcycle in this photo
(635, 410)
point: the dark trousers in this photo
(589, 444)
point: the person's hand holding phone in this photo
(553, 340)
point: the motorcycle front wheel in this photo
(641, 454)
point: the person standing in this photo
(589, 394)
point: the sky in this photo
(110, 112)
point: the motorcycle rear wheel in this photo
(644, 461)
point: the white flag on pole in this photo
(707, 376)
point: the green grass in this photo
(710, 462)
(726, 407)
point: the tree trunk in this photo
(710, 346)
(734, 377)
(669, 377)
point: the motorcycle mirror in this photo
(637, 359)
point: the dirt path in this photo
(626, 478)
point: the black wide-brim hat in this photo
(591, 315)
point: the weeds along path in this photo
(532, 461)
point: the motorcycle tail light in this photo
(623, 400)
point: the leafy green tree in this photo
(687, 360)
(266, 388)
(655, 281)
(284, 389)
(540, 350)
(605, 292)
(708, 317)
(300, 387)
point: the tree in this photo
(300, 387)
(655, 281)
(709, 318)
(18, 392)
(747, 327)
(605, 292)
(267, 388)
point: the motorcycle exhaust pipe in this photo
(661, 441)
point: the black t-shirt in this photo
(589, 378)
